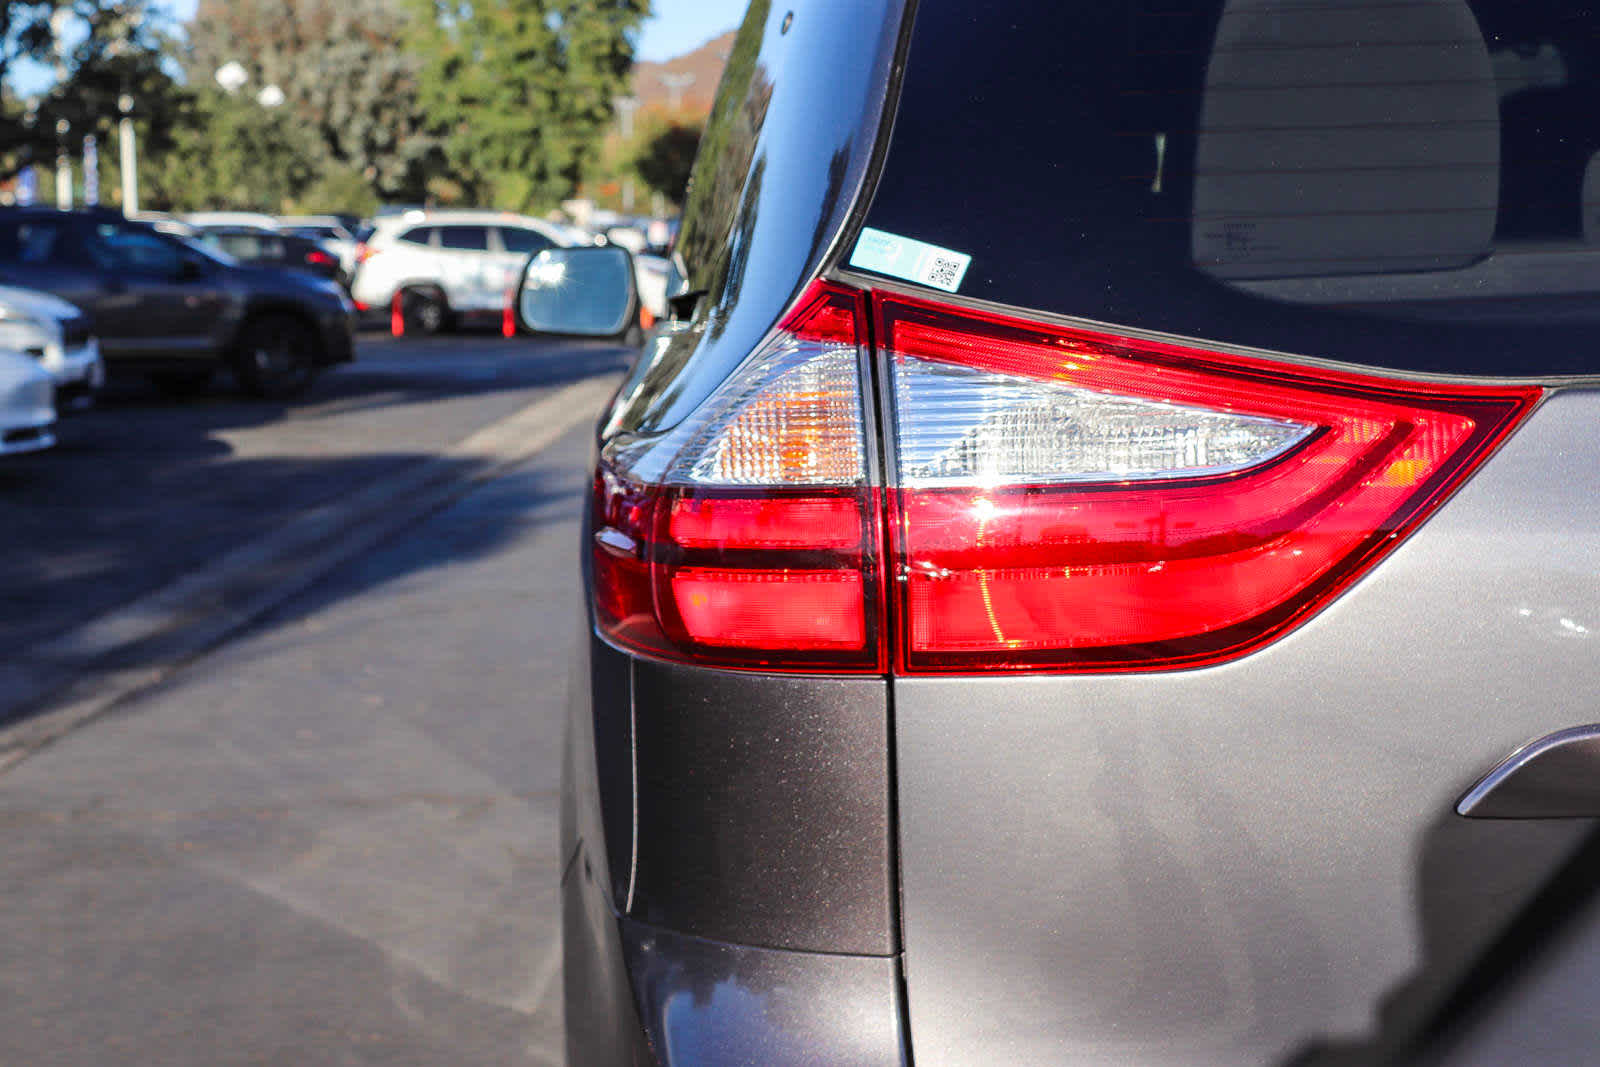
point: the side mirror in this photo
(579, 292)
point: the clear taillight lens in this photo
(974, 427)
(748, 535)
(1068, 500)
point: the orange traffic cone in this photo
(397, 316)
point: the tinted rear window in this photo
(523, 242)
(464, 238)
(40, 242)
(133, 250)
(247, 246)
(1403, 183)
(420, 235)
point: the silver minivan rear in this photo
(1104, 569)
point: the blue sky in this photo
(681, 25)
(676, 27)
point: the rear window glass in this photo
(36, 243)
(524, 242)
(464, 238)
(246, 246)
(419, 235)
(1403, 183)
(135, 251)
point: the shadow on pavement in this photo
(143, 490)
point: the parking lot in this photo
(144, 489)
(339, 831)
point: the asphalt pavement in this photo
(332, 840)
(143, 488)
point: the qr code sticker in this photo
(944, 271)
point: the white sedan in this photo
(58, 336)
(27, 405)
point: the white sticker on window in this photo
(914, 261)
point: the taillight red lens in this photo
(1284, 484)
(805, 611)
(317, 258)
(1058, 500)
(815, 522)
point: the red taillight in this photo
(364, 252)
(318, 258)
(1058, 499)
(749, 536)
(805, 611)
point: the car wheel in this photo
(183, 384)
(276, 357)
(424, 312)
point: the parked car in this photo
(171, 310)
(331, 232)
(271, 248)
(27, 405)
(447, 267)
(166, 222)
(58, 337)
(1105, 567)
(199, 219)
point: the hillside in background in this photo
(689, 81)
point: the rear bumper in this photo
(638, 994)
(719, 866)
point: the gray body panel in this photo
(1261, 860)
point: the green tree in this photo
(520, 91)
(24, 34)
(349, 86)
(232, 153)
(665, 159)
(117, 48)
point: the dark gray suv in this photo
(175, 311)
(1104, 566)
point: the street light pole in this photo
(130, 157)
(63, 166)
(626, 106)
(60, 23)
(675, 84)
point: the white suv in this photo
(442, 267)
